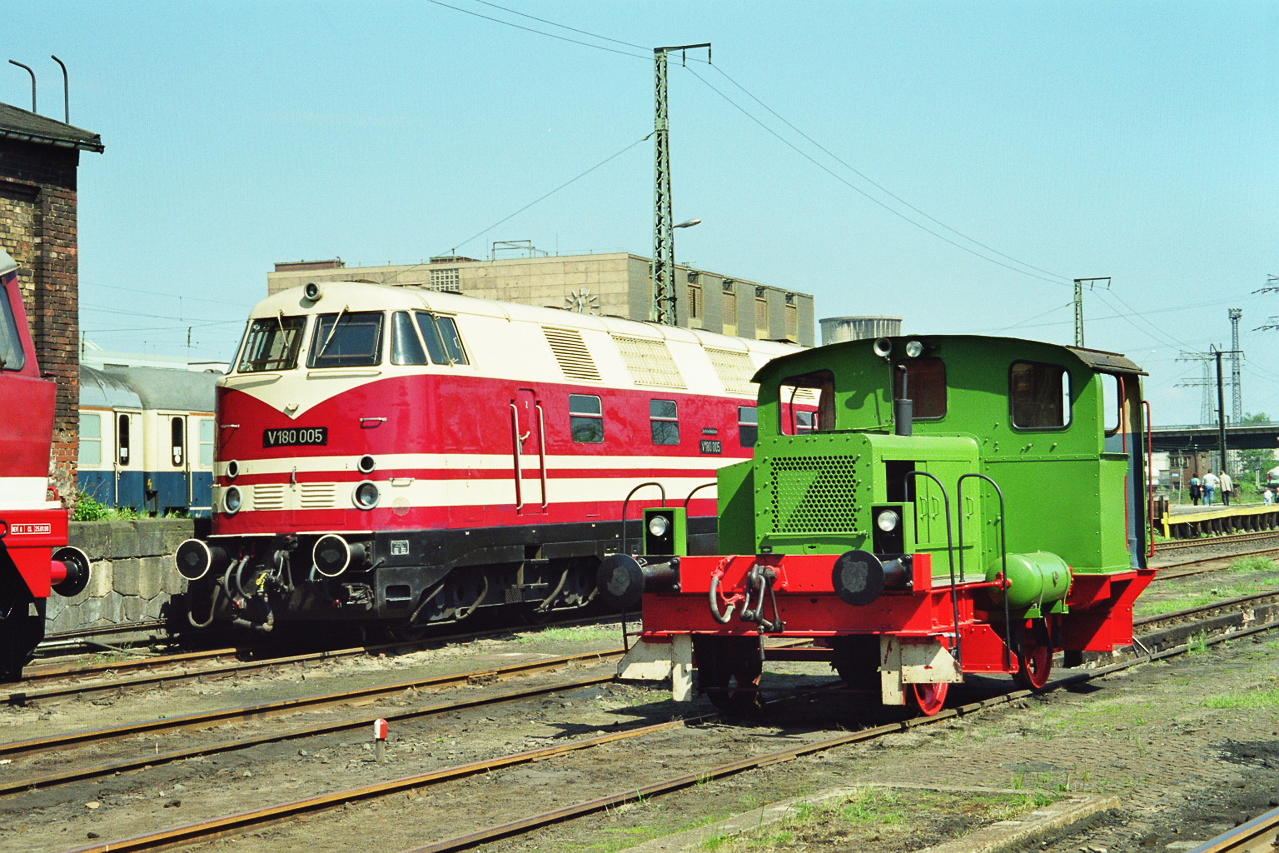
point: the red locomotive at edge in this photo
(34, 557)
(399, 456)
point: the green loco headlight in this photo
(658, 525)
(888, 520)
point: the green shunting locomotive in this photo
(918, 508)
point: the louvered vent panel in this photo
(735, 370)
(650, 362)
(812, 494)
(574, 358)
(268, 496)
(318, 495)
(801, 395)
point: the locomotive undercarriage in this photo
(405, 580)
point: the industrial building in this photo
(618, 284)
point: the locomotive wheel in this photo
(1034, 656)
(728, 670)
(929, 698)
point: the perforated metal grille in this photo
(735, 370)
(813, 494)
(649, 362)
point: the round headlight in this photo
(367, 464)
(366, 495)
(658, 525)
(232, 500)
(232, 470)
(888, 521)
(914, 349)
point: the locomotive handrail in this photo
(515, 445)
(541, 450)
(950, 554)
(1003, 552)
(1150, 489)
(626, 503)
(696, 490)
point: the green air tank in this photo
(1035, 581)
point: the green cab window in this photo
(1039, 395)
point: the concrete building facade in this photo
(39, 158)
(617, 284)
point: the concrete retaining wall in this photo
(132, 575)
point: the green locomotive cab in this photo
(920, 507)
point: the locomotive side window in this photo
(442, 340)
(122, 439)
(11, 356)
(1039, 395)
(807, 403)
(925, 384)
(585, 419)
(347, 340)
(406, 348)
(747, 425)
(178, 433)
(90, 440)
(663, 419)
(272, 343)
(1112, 402)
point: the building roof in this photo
(24, 126)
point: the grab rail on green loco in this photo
(950, 552)
(1003, 553)
(1150, 489)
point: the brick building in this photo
(38, 161)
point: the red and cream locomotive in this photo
(403, 456)
(34, 557)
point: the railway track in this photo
(1260, 835)
(1174, 545)
(253, 820)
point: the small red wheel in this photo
(1034, 658)
(930, 698)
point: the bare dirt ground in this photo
(1190, 747)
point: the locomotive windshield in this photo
(11, 357)
(272, 343)
(347, 340)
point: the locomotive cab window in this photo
(585, 419)
(272, 343)
(1039, 395)
(663, 419)
(347, 340)
(442, 339)
(406, 347)
(807, 403)
(1112, 402)
(11, 356)
(925, 384)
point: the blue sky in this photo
(1038, 141)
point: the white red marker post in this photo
(380, 729)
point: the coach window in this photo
(663, 420)
(90, 440)
(585, 419)
(442, 340)
(1039, 395)
(807, 403)
(925, 385)
(11, 356)
(122, 439)
(206, 442)
(747, 425)
(347, 340)
(406, 348)
(272, 343)
(178, 433)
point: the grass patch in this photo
(592, 633)
(1252, 563)
(1256, 699)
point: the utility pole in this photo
(1079, 304)
(1205, 407)
(1236, 356)
(665, 301)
